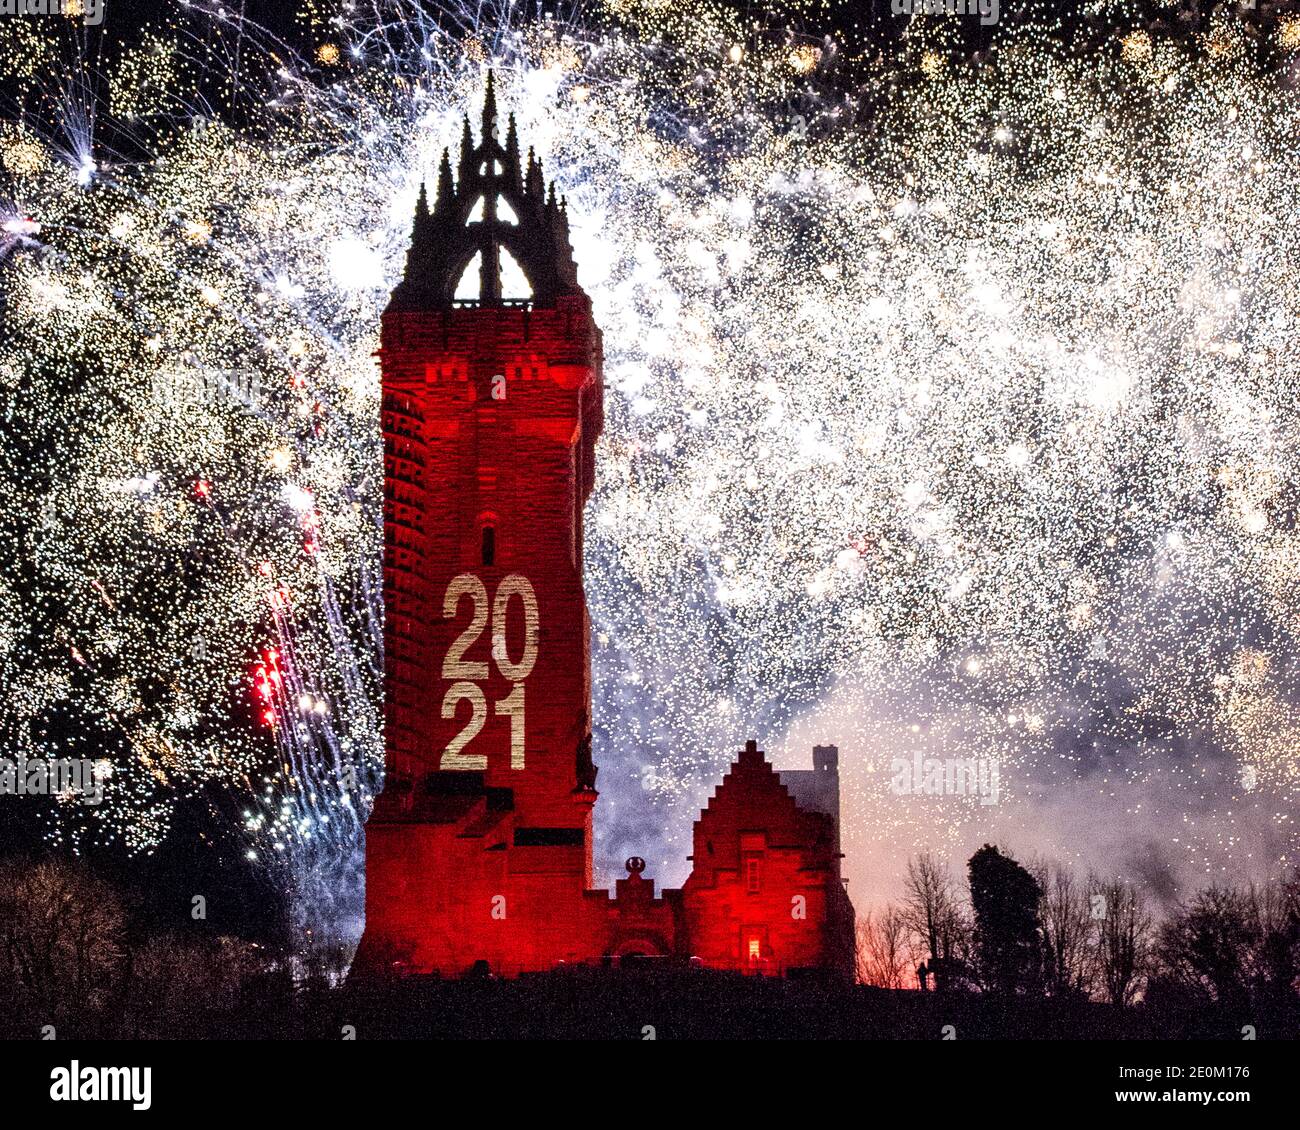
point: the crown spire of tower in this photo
(533, 181)
(446, 185)
(469, 221)
(466, 148)
(512, 151)
(490, 109)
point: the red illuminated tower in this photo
(479, 847)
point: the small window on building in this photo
(489, 545)
(753, 876)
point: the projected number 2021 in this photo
(466, 674)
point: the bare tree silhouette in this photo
(178, 983)
(884, 958)
(1234, 946)
(62, 938)
(933, 916)
(1069, 965)
(1121, 939)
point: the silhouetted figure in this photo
(922, 973)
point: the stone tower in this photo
(492, 403)
(479, 848)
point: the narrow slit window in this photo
(489, 545)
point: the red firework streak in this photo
(268, 684)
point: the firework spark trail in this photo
(965, 422)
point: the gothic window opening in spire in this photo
(504, 213)
(515, 286)
(470, 282)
